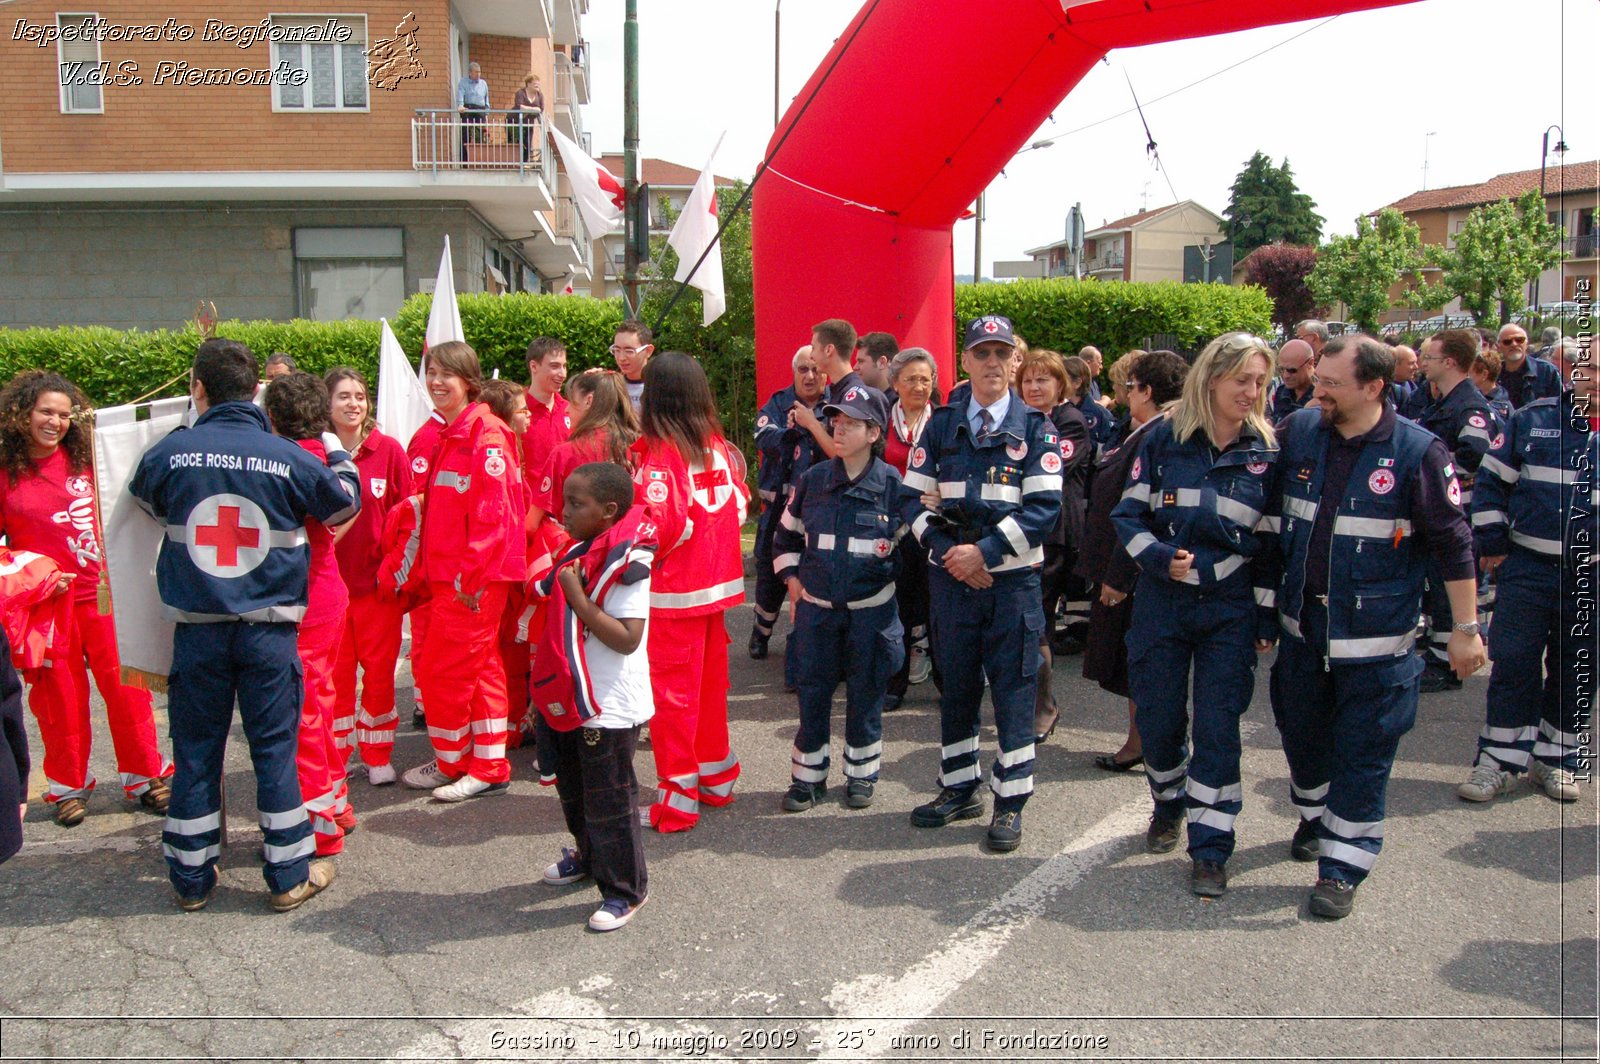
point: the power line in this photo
(1184, 88)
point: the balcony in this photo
(1582, 247)
(507, 18)
(568, 106)
(570, 227)
(566, 25)
(1109, 263)
(580, 70)
(450, 140)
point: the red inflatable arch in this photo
(921, 103)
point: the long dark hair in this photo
(677, 406)
(17, 401)
(298, 406)
(610, 412)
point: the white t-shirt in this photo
(622, 681)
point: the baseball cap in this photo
(862, 402)
(989, 327)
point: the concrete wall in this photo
(1157, 251)
(145, 266)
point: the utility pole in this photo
(977, 242)
(630, 157)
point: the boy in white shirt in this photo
(591, 682)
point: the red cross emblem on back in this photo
(227, 536)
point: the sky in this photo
(1357, 105)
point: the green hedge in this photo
(1117, 316)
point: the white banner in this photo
(133, 537)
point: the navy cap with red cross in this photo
(989, 327)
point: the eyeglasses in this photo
(1325, 383)
(1514, 341)
(808, 371)
(616, 350)
(982, 355)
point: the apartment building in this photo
(1148, 246)
(669, 183)
(1572, 194)
(302, 164)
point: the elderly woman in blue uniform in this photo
(1195, 495)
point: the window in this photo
(332, 51)
(78, 65)
(350, 273)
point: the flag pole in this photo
(630, 157)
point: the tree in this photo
(1265, 207)
(1500, 249)
(1359, 271)
(1282, 270)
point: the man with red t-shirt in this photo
(549, 422)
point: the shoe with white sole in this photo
(921, 666)
(381, 775)
(1485, 784)
(1556, 781)
(425, 777)
(467, 787)
(569, 869)
(614, 913)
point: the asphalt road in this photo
(834, 934)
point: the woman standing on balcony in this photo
(47, 506)
(529, 105)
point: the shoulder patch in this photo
(1477, 421)
(1050, 462)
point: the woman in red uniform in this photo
(371, 636)
(509, 402)
(605, 428)
(693, 488)
(297, 405)
(47, 505)
(472, 553)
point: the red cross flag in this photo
(596, 190)
(696, 231)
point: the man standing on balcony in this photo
(472, 100)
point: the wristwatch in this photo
(1470, 628)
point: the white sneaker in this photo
(1485, 784)
(921, 665)
(467, 787)
(425, 777)
(380, 775)
(1557, 782)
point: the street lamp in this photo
(1544, 153)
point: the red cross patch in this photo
(1257, 468)
(919, 456)
(1381, 482)
(1068, 449)
(883, 548)
(1016, 451)
(227, 535)
(1138, 466)
(1051, 462)
(1477, 422)
(419, 465)
(991, 326)
(656, 492)
(79, 486)
(1454, 491)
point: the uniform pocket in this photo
(1397, 694)
(1032, 636)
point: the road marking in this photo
(926, 985)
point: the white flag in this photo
(444, 316)
(694, 232)
(597, 191)
(403, 403)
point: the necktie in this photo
(985, 422)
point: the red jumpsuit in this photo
(548, 428)
(697, 509)
(52, 512)
(420, 452)
(319, 758)
(473, 545)
(371, 637)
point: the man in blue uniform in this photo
(1294, 389)
(232, 572)
(1462, 419)
(1525, 377)
(1366, 494)
(994, 467)
(785, 453)
(1533, 517)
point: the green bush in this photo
(499, 328)
(1117, 316)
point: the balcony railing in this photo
(482, 141)
(569, 225)
(568, 112)
(1104, 262)
(1582, 247)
